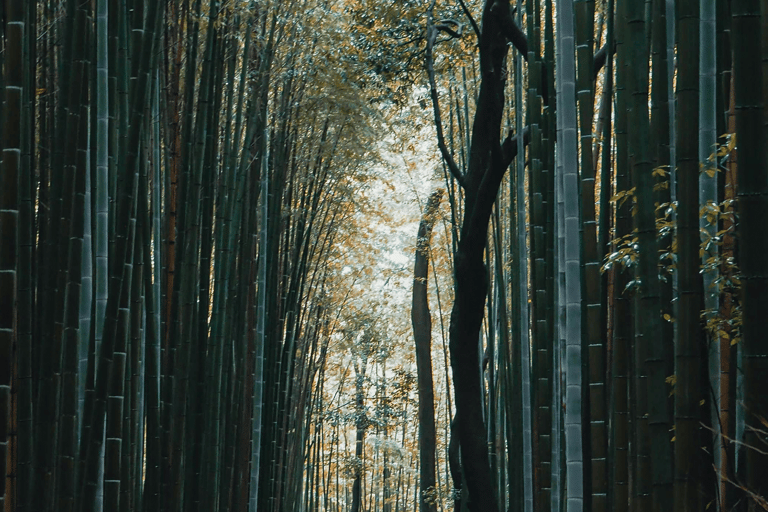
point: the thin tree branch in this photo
(445, 26)
(509, 146)
(600, 59)
(736, 441)
(471, 19)
(431, 36)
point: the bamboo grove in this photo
(189, 319)
(176, 176)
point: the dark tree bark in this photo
(490, 154)
(422, 335)
(360, 425)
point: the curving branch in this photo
(471, 19)
(509, 146)
(446, 24)
(600, 58)
(515, 35)
(511, 30)
(431, 36)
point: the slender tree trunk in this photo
(422, 333)
(360, 426)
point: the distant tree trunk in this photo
(422, 335)
(360, 424)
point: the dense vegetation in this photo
(215, 292)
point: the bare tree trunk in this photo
(422, 335)
(360, 422)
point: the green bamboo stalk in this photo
(118, 439)
(269, 344)
(660, 354)
(620, 367)
(10, 174)
(709, 197)
(133, 406)
(748, 84)
(151, 490)
(25, 261)
(541, 342)
(258, 378)
(117, 434)
(604, 227)
(186, 395)
(72, 312)
(102, 128)
(53, 302)
(559, 374)
(232, 226)
(571, 259)
(212, 376)
(523, 347)
(225, 265)
(181, 283)
(203, 354)
(86, 289)
(597, 441)
(688, 353)
(654, 482)
(93, 440)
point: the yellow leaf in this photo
(618, 195)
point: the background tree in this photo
(422, 334)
